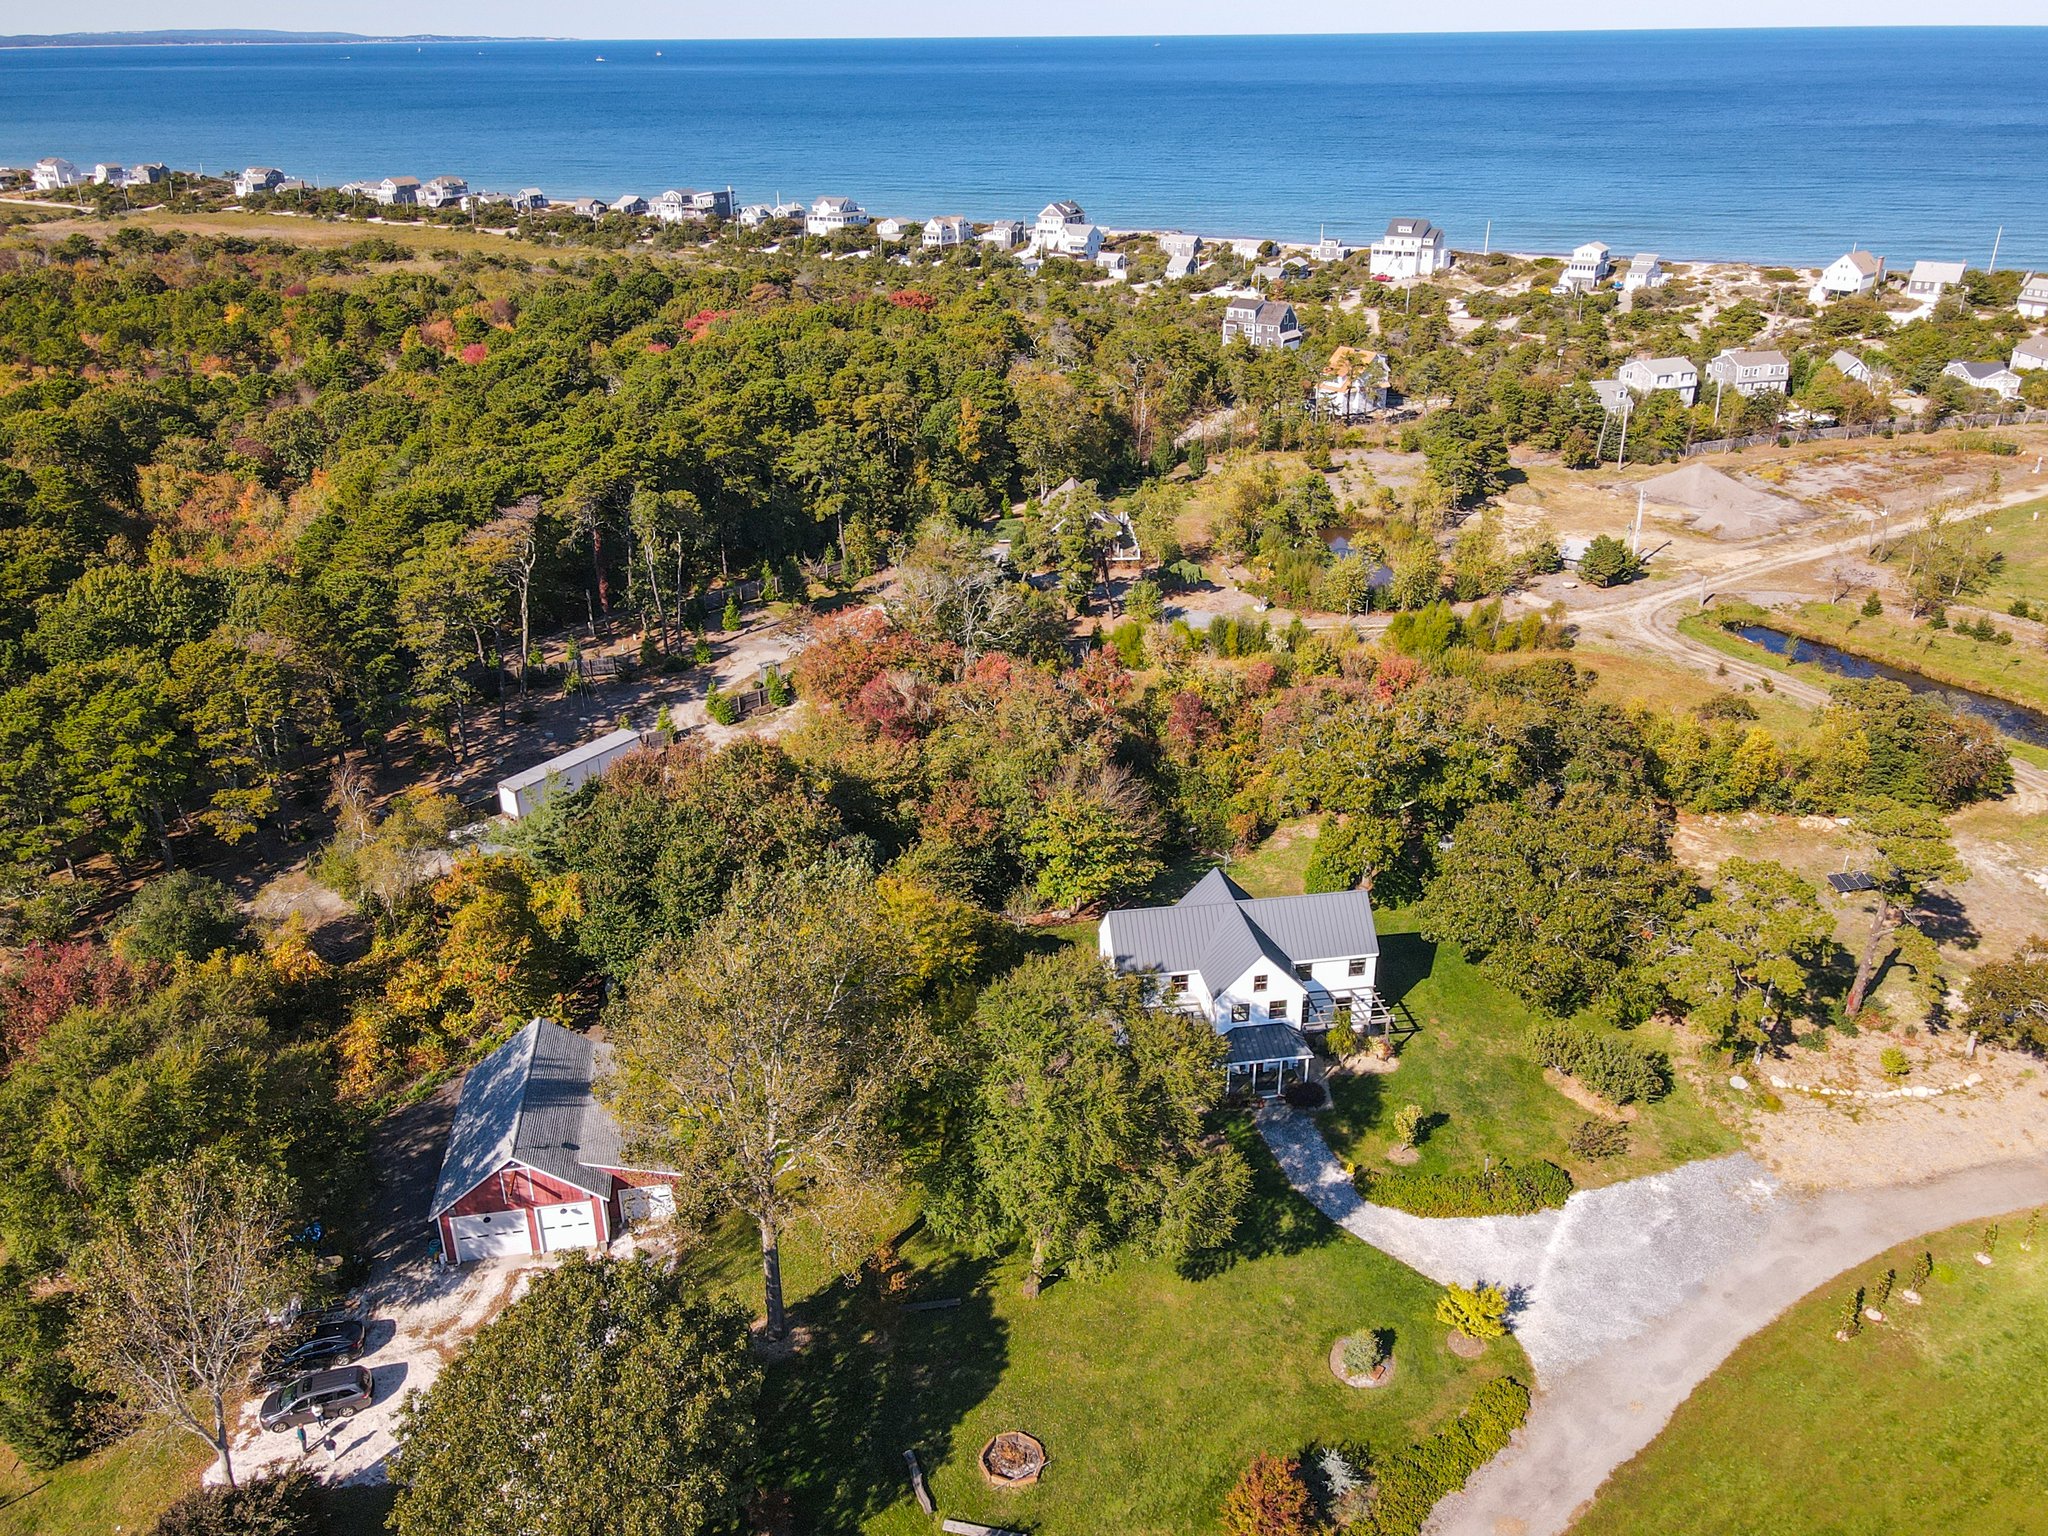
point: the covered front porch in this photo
(1261, 1059)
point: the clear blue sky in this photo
(981, 18)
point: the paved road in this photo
(1631, 1295)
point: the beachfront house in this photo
(1183, 253)
(945, 232)
(1004, 234)
(2031, 354)
(1076, 242)
(257, 178)
(1587, 269)
(592, 208)
(631, 204)
(1850, 366)
(443, 192)
(1850, 273)
(1261, 323)
(397, 191)
(529, 200)
(1646, 375)
(681, 203)
(107, 173)
(1355, 381)
(2033, 299)
(1329, 248)
(754, 215)
(1995, 377)
(1410, 248)
(534, 1163)
(1750, 372)
(1049, 236)
(1645, 270)
(52, 172)
(829, 215)
(1930, 279)
(891, 228)
(150, 172)
(1266, 973)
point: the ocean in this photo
(1782, 146)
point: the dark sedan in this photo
(331, 1341)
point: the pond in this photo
(2009, 719)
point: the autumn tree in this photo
(2006, 1001)
(180, 1295)
(1269, 1499)
(761, 1058)
(1085, 1127)
(1750, 952)
(1908, 851)
(610, 1400)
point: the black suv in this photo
(329, 1341)
(337, 1394)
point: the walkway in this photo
(1629, 1296)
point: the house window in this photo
(1277, 1009)
(1355, 968)
(1258, 984)
(1301, 973)
(1176, 985)
(1240, 1013)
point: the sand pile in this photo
(1720, 505)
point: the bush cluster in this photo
(1506, 1189)
(1412, 1481)
(1598, 1138)
(1616, 1069)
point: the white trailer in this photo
(525, 792)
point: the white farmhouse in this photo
(257, 178)
(1850, 273)
(1266, 973)
(52, 172)
(1050, 235)
(1996, 377)
(1645, 270)
(1409, 248)
(2030, 354)
(945, 232)
(1586, 270)
(1645, 375)
(1930, 279)
(1750, 372)
(829, 215)
(525, 792)
(2033, 299)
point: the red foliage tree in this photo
(475, 353)
(48, 981)
(1269, 1500)
(910, 298)
(1188, 722)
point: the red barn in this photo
(534, 1162)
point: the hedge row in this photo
(1412, 1481)
(1616, 1069)
(1505, 1189)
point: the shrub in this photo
(1413, 1481)
(1270, 1499)
(1407, 1122)
(1505, 1189)
(179, 915)
(1477, 1313)
(1597, 1138)
(1618, 1070)
(777, 686)
(1893, 1062)
(721, 707)
(1364, 1353)
(1303, 1095)
(269, 1506)
(731, 620)
(1873, 605)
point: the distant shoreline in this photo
(26, 41)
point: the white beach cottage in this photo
(1850, 273)
(1266, 972)
(1410, 248)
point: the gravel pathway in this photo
(1631, 1295)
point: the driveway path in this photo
(1630, 1296)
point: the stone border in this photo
(1378, 1376)
(1917, 1091)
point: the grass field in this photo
(1627, 679)
(424, 238)
(122, 1488)
(2020, 534)
(1936, 1420)
(1150, 1388)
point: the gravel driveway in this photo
(1628, 1297)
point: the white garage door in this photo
(491, 1236)
(647, 1202)
(568, 1226)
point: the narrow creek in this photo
(2009, 719)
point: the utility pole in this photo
(1488, 251)
(1635, 538)
(1996, 240)
(1627, 404)
(1719, 384)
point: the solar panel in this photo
(1854, 880)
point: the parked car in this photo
(325, 1342)
(336, 1394)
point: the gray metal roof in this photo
(529, 1102)
(540, 773)
(1249, 1043)
(1417, 227)
(1218, 931)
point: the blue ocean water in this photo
(1770, 145)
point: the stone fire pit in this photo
(1012, 1460)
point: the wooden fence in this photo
(1898, 427)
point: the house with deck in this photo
(1587, 269)
(52, 172)
(1849, 274)
(2033, 300)
(945, 231)
(1929, 280)
(1646, 375)
(1268, 973)
(1748, 371)
(257, 178)
(1995, 377)
(1261, 323)
(443, 192)
(829, 215)
(1410, 248)
(534, 1163)
(1049, 235)
(1645, 270)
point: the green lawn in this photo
(1150, 1388)
(1470, 1071)
(2020, 534)
(1936, 1420)
(122, 1488)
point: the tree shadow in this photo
(1275, 1220)
(1406, 959)
(875, 1380)
(1942, 918)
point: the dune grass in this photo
(1149, 1387)
(1934, 1420)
